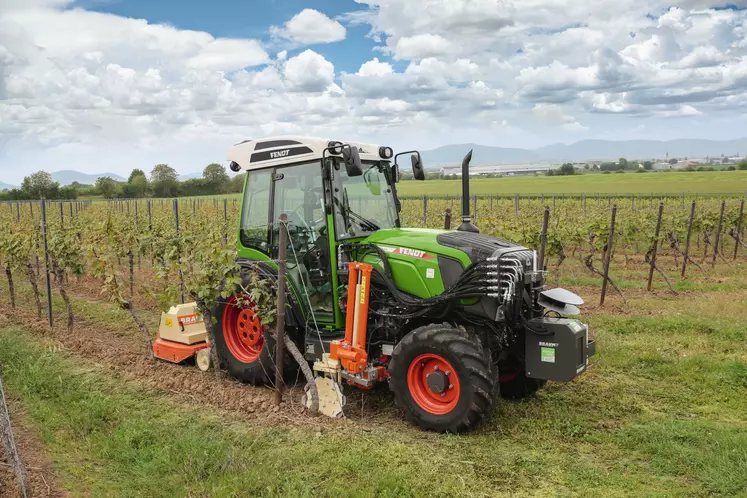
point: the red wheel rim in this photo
(243, 330)
(444, 397)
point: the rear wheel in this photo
(441, 379)
(244, 345)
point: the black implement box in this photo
(557, 349)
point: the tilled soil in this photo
(126, 353)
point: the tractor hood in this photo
(425, 261)
(424, 243)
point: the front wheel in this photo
(441, 379)
(244, 345)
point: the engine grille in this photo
(477, 246)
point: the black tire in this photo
(518, 385)
(260, 371)
(463, 351)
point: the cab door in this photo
(297, 192)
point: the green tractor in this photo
(451, 319)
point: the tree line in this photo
(163, 181)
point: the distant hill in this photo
(585, 150)
(641, 149)
(483, 154)
(6, 186)
(66, 177)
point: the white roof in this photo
(274, 151)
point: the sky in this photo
(112, 85)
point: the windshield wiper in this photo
(365, 223)
(346, 211)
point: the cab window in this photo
(256, 211)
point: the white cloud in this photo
(310, 26)
(375, 67)
(551, 114)
(78, 84)
(421, 46)
(309, 72)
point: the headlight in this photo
(335, 147)
(386, 152)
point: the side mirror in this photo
(417, 166)
(352, 160)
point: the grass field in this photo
(661, 412)
(627, 183)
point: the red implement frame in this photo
(351, 352)
(175, 352)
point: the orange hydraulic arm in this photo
(351, 352)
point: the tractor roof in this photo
(274, 151)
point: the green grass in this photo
(658, 182)
(662, 412)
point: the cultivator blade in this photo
(331, 399)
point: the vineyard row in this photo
(187, 245)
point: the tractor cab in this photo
(452, 319)
(331, 193)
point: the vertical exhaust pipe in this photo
(466, 225)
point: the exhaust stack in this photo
(466, 225)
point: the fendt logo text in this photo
(279, 153)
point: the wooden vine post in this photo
(447, 219)
(608, 255)
(687, 242)
(718, 233)
(543, 238)
(655, 247)
(738, 238)
(279, 346)
(46, 262)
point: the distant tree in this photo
(586, 166)
(731, 168)
(106, 186)
(623, 163)
(192, 187)
(164, 180)
(567, 169)
(215, 177)
(742, 165)
(135, 173)
(673, 161)
(609, 166)
(648, 165)
(40, 184)
(80, 185)
(236, 184)
(139, 185)
(137, 188)
(68, 192)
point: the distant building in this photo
(661, 166)
(501, 169)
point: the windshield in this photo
(363, 204)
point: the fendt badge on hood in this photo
(415, 253)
